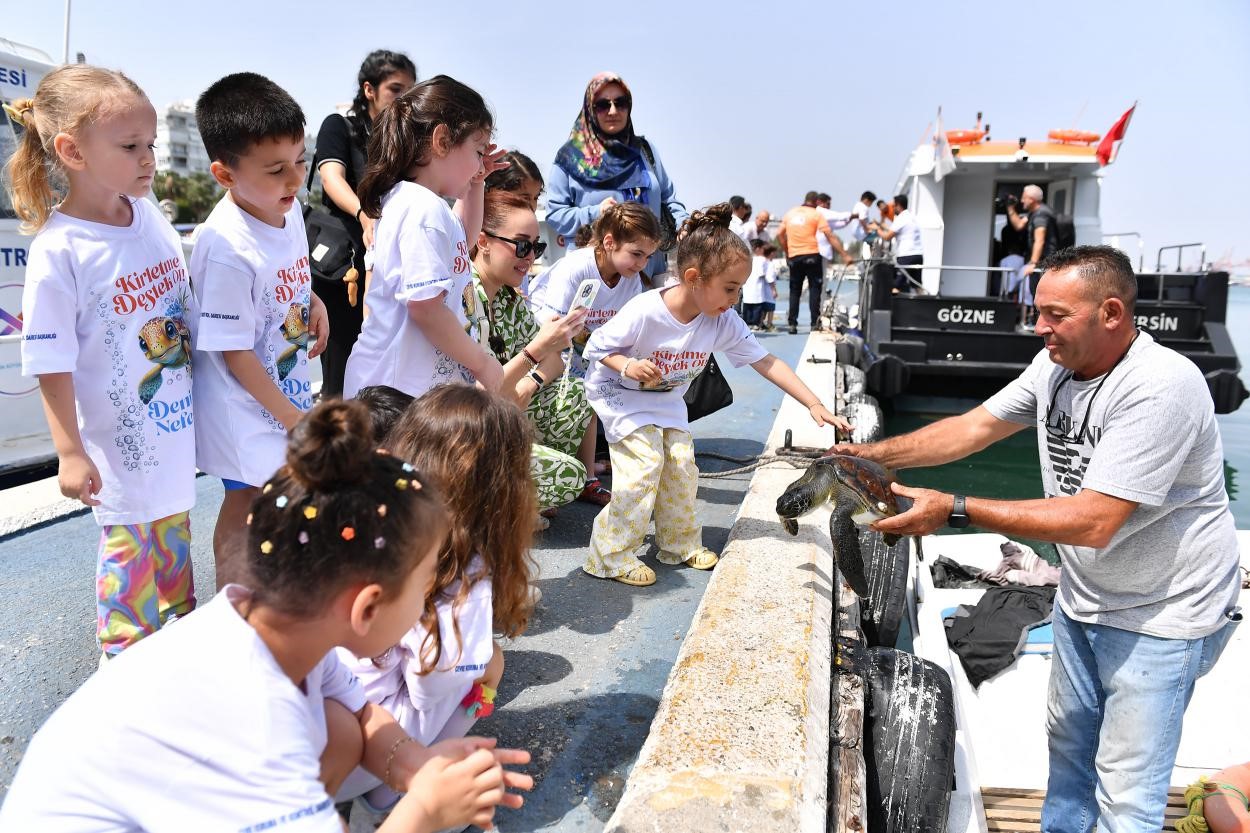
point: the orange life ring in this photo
(964, 137)
(1073, 137)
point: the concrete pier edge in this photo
(741, 737)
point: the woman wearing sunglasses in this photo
(604, 162)
(530, 355)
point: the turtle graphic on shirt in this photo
(166, 342)
(295, 331)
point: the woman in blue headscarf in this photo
(606, 162)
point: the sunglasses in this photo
(523, 247)
(622, 103)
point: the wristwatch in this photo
(958, 518)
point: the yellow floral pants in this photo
(653, 470)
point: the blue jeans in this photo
(1114, 712)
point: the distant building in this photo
(178, 146)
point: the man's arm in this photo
(940, 442)
(1018, 221)
(781, 240)
(1086, 519)
(1039, 246)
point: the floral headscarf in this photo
(597, 160)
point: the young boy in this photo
(759, 294)
(249, 269)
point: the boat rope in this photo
(798, 456)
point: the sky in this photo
(759, 99)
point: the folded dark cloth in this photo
(989, 635)
(949, 574)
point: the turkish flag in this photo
(1107, 147)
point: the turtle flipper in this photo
(150, 384)
(286, 362)
(846, 550)
(790, 525)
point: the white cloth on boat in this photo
(1151, 437)
(1021, 565)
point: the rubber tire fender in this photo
(881, 614)
(909, 743)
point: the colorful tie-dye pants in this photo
(144, 577)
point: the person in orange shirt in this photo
(797, 238)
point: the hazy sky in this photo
(763, 99)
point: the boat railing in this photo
(1180, 251)
(1141, 245)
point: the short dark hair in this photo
(1104, 270)
(867, 195)
(737, 201)
(823, 197)
(386, 405)
(512, 178)
(241, 110)
(810, 196)
(901, 200)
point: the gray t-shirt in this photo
(1151, 437)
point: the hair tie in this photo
(17, 112)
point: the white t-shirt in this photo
(755, 233)
(113, 306)
(836, 220)
(755, 290)
(907, 231)
(741, 228)
(645, 329)
(254, 290)
(553, 293)
(423, 704)
(420, 253)
(219, 738)
(859, 212)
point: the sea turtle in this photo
(166, 342)
(295, 331)
(860, 493)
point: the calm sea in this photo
(1010, 468)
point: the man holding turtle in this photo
(1133, 471)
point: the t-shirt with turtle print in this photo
(112, 305)
(253, 288)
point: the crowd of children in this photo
(362, 575)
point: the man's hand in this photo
(318, 326)
(930, 510)
(1027, 269)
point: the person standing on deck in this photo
(1133, 470)
(1040, 221)
(797, 238)
(909, 252)
(757, 229)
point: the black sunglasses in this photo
(622, 102)
(523, 247)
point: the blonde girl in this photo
(106, 330)
(644, 359)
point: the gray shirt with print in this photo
(1149, 435)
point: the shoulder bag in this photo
(708, 393)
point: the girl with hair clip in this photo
(431, 143)
(248, 716)
(625, 236)
(644, 359)
(441, 676)
(518, 175)
(531, 355)
(107, 310)
(340, 161)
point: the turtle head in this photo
(811, 490)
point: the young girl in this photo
(430, 143)
(530, 355)
(106, 314)
(232, 732)
(625, 237)
(442, 675)
(644, 360)
(517, 174)
(760, 291)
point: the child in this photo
(442, 675)
(760, 288)
(516, 173)
(625, 237)
(106, 316)
(250, 272)
(230, 727)
(770, 298)
(431, 142)
(644, 360)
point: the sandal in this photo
(702, 559)
(541, 523)
(640, 575)
(596, 494)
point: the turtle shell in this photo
(866, 480)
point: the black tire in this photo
(909, 743)
(881, 614)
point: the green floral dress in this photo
(559, 411)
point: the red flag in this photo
(1107, 147)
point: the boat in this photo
(959, 335)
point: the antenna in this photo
(1080, 113)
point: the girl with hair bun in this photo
(643, 361)
(625, 236)
(248, 718)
